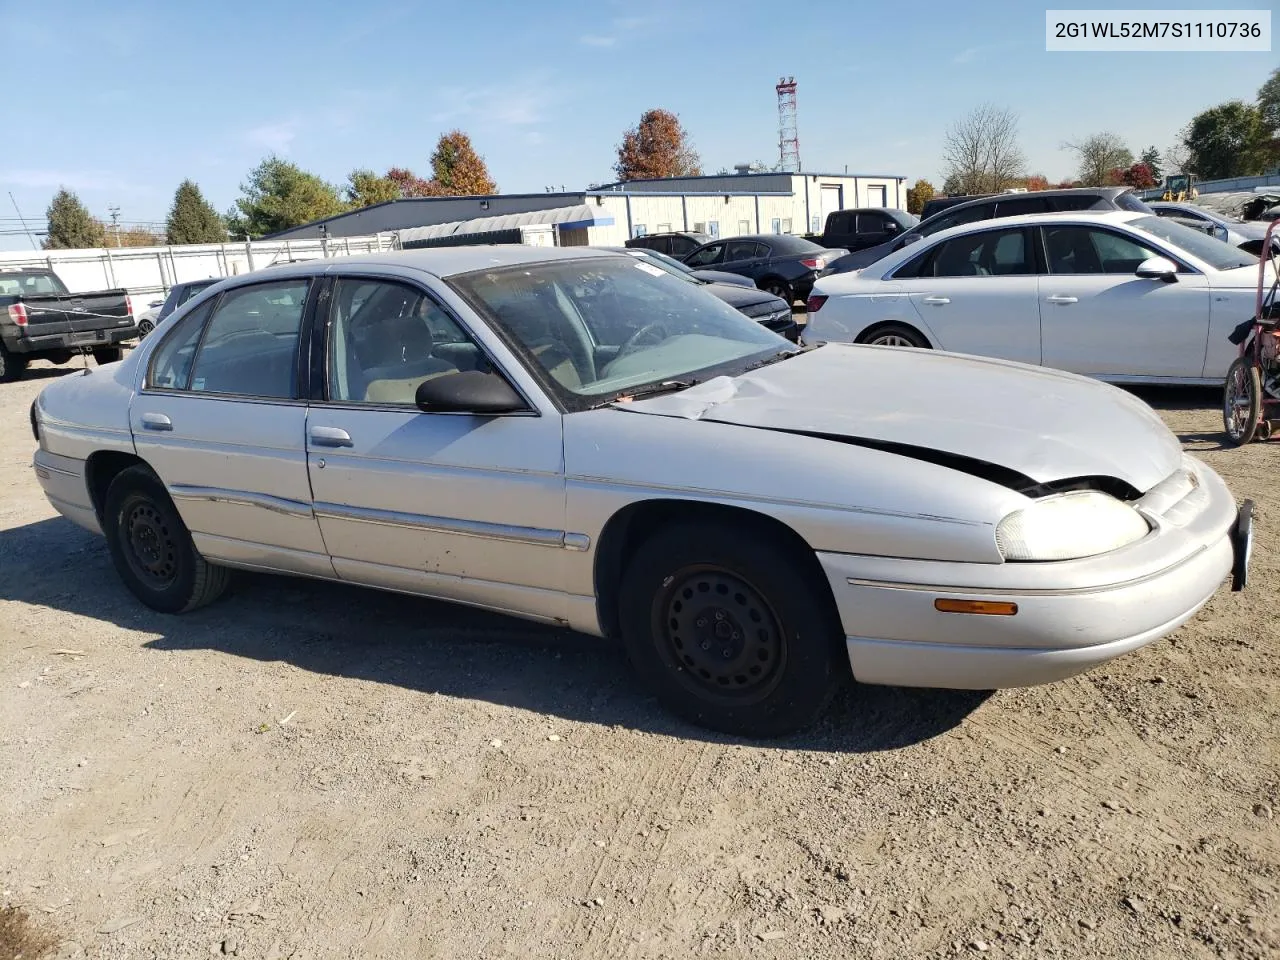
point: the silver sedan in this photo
(578, 438)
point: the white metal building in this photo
(720, 206)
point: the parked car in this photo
(179, 294)
(784, 265)
(1238, 233)
(861, 228)
(675, 244)
(764, 308)
(938, 204)
(1125, 297)
(611, 451)
(41, 320)
(994, 207)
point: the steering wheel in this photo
(633, 342)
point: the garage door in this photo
(832, 200)
(876, 196)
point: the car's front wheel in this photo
(728, 630)
(152, 549)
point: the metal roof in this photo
(581, 215)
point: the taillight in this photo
(128, 306)
(815, 302)
(18, 314)
(813, 263)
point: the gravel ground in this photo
(307, 770)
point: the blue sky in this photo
(121, 101)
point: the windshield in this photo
(1215, 252)
(663, 262)
(1132, 203)
(598, 328)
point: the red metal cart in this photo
(1251, 394)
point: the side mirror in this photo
(1158, 268)
(909, 239)
(468, 391)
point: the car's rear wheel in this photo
(1241, 401)
(152, 549)
(12, 365)
(779, 288)
(726, 628)
(105, 355)
(894, 335)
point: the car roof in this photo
(440, 261)
(1062, 192)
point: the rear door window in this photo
(1021, 205)
(741, 250)
(991, 253)
(250, 347)
(707, 255)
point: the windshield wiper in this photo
(666, 386)
(782, 355)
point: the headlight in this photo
(1068, 526)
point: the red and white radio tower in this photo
(788, 138)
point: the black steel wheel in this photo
(151, 547)
(734, 629)
(1242, 401)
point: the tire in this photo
(703, 662)
(145, 327)
(894, 335)
(105, 355)
(1241, 401)
(60, 357)
(12, 365)
(780, 288)
(152, 549)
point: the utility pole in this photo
(115, 222)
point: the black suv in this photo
(995, 207)
(676, 244)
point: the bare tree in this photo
(1100, 155)
(1177, 156)
(981, 152)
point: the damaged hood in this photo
(1043, 424)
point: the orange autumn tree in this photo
(657, 147)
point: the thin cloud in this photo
(71, 179)
(507, 105)
(595, 40)
(972, 54)
(276, 137)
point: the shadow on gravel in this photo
(427, 646)
(1178, 398)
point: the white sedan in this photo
(577, 437)
(1125, 297)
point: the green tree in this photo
(1100, 155)
(365, 188)
(1229, 140)
(919, 195)
(1269, 102)
(459, 169)
(658, 146)
(279, 195)
(1151, 157)
(71, 227)
(192, 219)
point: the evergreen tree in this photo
(71, 227)
(192, 219)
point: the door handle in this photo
(937, 301)
(1063, 300)
(156, 421)
(330, 437)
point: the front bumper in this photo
(1071, 615)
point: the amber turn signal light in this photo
(990, 608)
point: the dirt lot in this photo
(304, 770)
